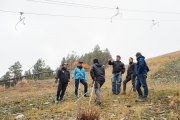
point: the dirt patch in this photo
(2, 89)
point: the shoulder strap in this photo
(97, 69)
(147, 67)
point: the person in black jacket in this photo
(63, 75)
(97, 73)
(118, 70)
(131, 75)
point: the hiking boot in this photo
(124, 93)
(145, 98)
(134, 90)
(57, 101)
(76, 96)
(141, 99)
(98, 103)
(86, 95)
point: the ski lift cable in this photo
(102, 7)
(53, 15)
(86, 17)
(53, 2)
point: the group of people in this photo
(136, 72)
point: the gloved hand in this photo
(56, 81)
(145, 75)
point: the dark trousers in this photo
(77, 86)
(141, 81)
(129, 78)
(61, 90)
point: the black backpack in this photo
(98, 70)
(147, 68)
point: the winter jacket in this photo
(63, 75)
(141, 67)
(131, 69)
(79, 73)
(118, 66)
(97, 71)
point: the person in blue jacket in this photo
(79, 76)
(141, 72)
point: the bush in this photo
(88, 113)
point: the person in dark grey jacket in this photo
(131, 75)
(63, 76)
(118, 70)
(97, 73)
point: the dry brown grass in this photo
(23, 84)
(88, 113)
(113, 107)
(156, 63)
(2, 89)
(26, 89)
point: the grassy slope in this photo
(31, 99)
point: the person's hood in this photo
(98, 64)
(131, 63)
(141, 57)
(80, 67)
(63, 68)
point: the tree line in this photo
(41, 71)
(102, 55)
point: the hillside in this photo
(35, 100)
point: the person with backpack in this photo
(79, 75)
(97, 73)
(118, 70)
(131, 76)
(63, 76)
(141, 71)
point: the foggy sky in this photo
(52, 38)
